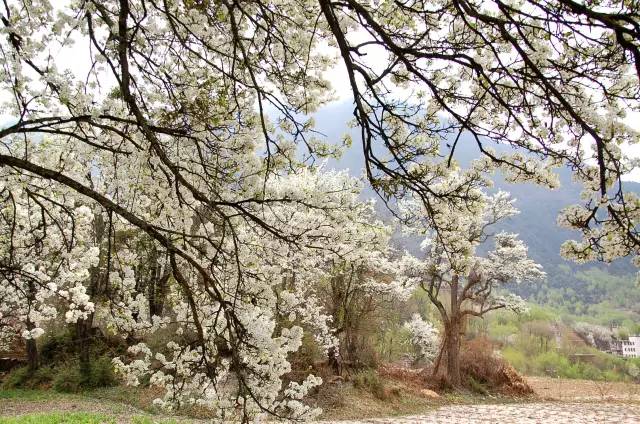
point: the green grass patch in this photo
(29, 394)
(58, 418)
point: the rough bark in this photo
(33, 360)
(452, 337)
(453, 352)
(83, 343)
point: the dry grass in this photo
(584, 390)
(343, 401)
(483, 369)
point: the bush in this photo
(16, 379)
(56, 347)
(485, 371)
(101, 374)
(21, 378)
(516, 358)
(67, 380)
(43, 376)
(371, 381)
(551, 363)
(70, 379)
(589, 372)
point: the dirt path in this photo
(564, 401)
(527, 413)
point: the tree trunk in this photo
(30, 343)
(334, 361)
(438, 361)
(452, 337)
(83, 344)
(452, 340)
(32, 351)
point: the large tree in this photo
(154, 126)
(455, 269)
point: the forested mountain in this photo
(568, 285)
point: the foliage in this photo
(592, 295)
(533, 350)
(62, 377)
(101, 374)
(23, 378)
(68, 380)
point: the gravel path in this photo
(526, 413)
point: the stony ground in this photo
(528, 413)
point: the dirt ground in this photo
(516, 413)
(558, 401)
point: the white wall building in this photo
(631, 347)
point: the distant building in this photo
(629, 348)
(615, 347)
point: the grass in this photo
(31, 394)
(77, 418)
(109, 405)
(59, 417)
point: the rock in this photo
(429, 394)
(336, 379)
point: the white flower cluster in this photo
(424, 337)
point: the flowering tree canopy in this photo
(558, 80)
(164, 150)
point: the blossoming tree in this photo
(423, 337)
(454, 267)
(556, 82)
(182, 122)
(46, 255)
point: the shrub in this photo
(371, 381)
(550, 363)
(590, 372)
(43, 376)
(70, 379)
(485, 371)
(56, 347)
(101, 374)
(21, 378)
(67, 380)
(16, 379)
(516, 358)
